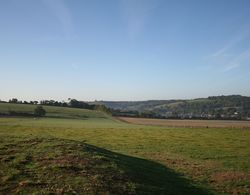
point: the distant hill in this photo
(214, 107)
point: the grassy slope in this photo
(218, 157)
(53, 111)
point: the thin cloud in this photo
(230, 67)
(232, 43)
(238, 61)
(229, 57)
(62, 13)
(75, 66)
(135, 14)
(229, 45)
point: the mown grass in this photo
(157, 160)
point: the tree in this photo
(39, 111)
(102, 108)
(78, 104)
(13, 100)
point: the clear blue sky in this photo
(124, 49)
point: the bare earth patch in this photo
(187, 123)
(230, 182)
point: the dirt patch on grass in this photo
(231, 182)
(64, 160)
(228, 182)
(229, 176)
(30, 142)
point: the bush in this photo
(39, 111)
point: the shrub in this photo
(39, 111)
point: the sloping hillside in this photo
(234, 106)
(52, 111)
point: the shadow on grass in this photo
(150, 177)
(46, 165)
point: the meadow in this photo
(78, 151)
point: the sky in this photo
(124, 49)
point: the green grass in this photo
(54, 165)
(53, 111)
(126, 158)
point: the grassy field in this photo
(88, 152)
(53, 111)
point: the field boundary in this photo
(187, 123)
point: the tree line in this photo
(215, 107)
